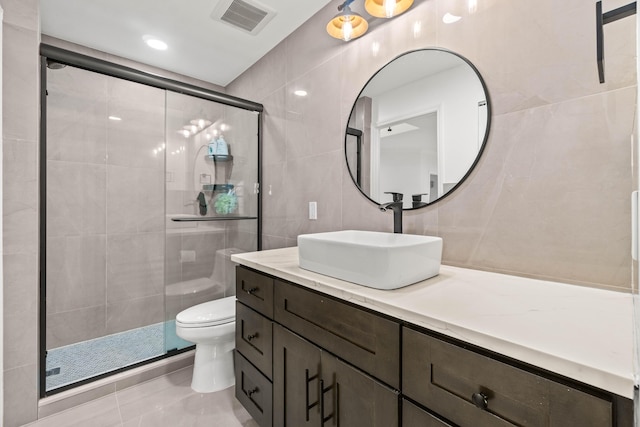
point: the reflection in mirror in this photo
(417, 128)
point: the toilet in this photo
(211, 326)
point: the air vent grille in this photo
(243, 14)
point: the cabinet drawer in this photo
(254, 334)
(476, 391)
(255, 290)
(254, 391)
(413, 416)
(364, 339)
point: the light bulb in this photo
(347, 29)
(389, 7)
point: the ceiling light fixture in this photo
(347, 25)
(155, 43)
(387, 8)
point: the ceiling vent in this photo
(246, 15)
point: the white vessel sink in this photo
(369, 258)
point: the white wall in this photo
(407, 160)
(450, 92)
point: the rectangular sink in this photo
(373, 259)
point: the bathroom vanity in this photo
(465, 348)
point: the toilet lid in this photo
(216, 312)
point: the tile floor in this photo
(162, 402)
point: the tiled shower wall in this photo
(550, 197)
(105, 206)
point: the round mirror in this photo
(417, 128)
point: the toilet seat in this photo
(211, 313)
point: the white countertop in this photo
(581, 333)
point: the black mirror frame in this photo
(482, 146)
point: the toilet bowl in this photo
(211, 326)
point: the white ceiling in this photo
(199, 46)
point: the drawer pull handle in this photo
(480, 400)
(252, 336)
(323, 390)
(251, 291)
(252, 391)
(308, 404)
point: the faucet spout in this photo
(396, 207)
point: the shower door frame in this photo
(96, 65)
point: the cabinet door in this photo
(350, 398)
(296, 380)
(365, 339)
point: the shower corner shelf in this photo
(219, 157)
(212, 218)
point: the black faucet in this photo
(396, 207)
(417, 200)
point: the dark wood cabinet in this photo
(254, 341)
(472, 389)
(312, 387)
(304, 359)
(297, 388)
(414, 416)
(255, 290)
(367, 340)
(254, 391)
(254, 338)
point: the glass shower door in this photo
(211, 201)
(104, 225)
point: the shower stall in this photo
(148, 186)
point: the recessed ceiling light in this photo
(450, 19)
(300, 92)
(155, 43)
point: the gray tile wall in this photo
(21, 38)
(20, 203)
(550, 197)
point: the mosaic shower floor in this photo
(88, 359)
